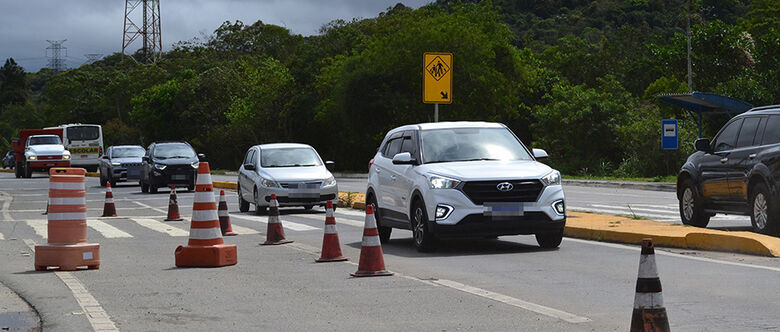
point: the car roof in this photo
(45, 135)
(170, 142)
(769, 109)
(126, 146)
(282, 146)
(448, 125)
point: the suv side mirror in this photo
(404, 158)
(540, 154)
(249, 167)
(145, 158)
(702, 144)
(201, 156)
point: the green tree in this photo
(13, 84)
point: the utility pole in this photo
(149, 31)
(56, 59)
(688, 33)
(92, 57)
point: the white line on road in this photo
(92, 309)
(243, 230)
(339, 221)
(40, 226)
(107, 230)
(537, 308)
(286, 224)
(7, 199)
(150, 207)
(160, 227)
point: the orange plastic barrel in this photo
(67, 206)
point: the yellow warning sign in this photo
(437, 78)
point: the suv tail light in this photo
(100, 151)
(370, 162)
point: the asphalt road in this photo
(505, 284)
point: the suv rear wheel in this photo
(424, 239)
(384, 231)
(691, 209)
(763, 213)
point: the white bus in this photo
(85, 143)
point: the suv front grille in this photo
(480, 192)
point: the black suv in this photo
(167, 163)
(736, 173)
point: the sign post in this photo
(437, 80)
(669, 134)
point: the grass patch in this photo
(662, 179)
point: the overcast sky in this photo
(95, 26)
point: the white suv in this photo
(464, 179)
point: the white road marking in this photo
(40, 226)
(7, 199)
(92, 309)
(150, 207)
(339, 221)
(107, 230)
(537, 308)
(2, 237)
(671, 254)
(286, 224)
(160, 227)
(243, 230)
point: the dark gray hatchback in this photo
(736, 173)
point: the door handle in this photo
(392, 177)
(378, 170)
(752, 156)
(724, 159)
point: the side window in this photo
(254, 157)
(727, 138)
(760, 131)
(409, 144)
(249, 155)
(393, 147)
(772, 131)
(748, 132)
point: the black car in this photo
(8, 160)
(121, 163)
(736, 173)
(167, 163)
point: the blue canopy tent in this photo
(703, 102)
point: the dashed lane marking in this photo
(160, 227)
(339, 221)
(243, 230)
(40, 226)
(286, 224)
(107, 230)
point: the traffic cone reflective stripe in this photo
(331, 248)
(173, 206)
(109, 209)
(67, 247)
(649, 313)
(224, 216)
(372, 263)
(275, 231)
(205, 247)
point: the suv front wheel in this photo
(550, 240)
(424, 239)
(691, 209)
(763, 214)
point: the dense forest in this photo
(577, 78)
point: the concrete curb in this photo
(654, 186)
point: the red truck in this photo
(39, 150)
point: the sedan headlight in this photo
(116, 164)
(553, 178)
(160, 166)
(31, 157)
(440, 182)
(331, 181)
(268, 183)
(195, 164)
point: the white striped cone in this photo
(649, 313)
(372, 263)
(224, 216)
(109, 209)
(331, 248)
(275, 231)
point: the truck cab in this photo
(41, 152)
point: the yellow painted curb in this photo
(3, 170)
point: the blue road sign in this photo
(669, 134)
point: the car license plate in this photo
(178, 177)
(503, 209)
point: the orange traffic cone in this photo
(224, 217)
(109, 209)
(67, 246)
(649, 312)
(173, 206)
(372, 263)
(205, 247)
(331, 249)
(275, 233)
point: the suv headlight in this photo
(116, 163)
(331, 181)
(440, 182)
(268, 183)
(160, 166)
(553, 178)
(195, 164)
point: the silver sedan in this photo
(294, 172)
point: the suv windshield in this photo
(466, 144)
(130, 152)
(40, 140)
(291, 157)
(168, 151)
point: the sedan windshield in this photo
(41, 140)
(291, 157)
(467, 144)
(169, 151)
(129, 152)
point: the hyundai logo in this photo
(505, 186)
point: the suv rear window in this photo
(83, 133)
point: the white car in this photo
(464, 179)
(294, 172)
